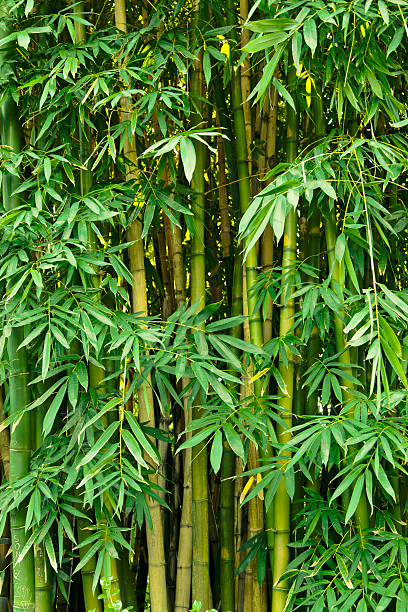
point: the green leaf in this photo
(327, 188)
(99, 444)
(37, 278)
(296, 48)
(326, 389)
(206, 69)
(284, 93)
(29, 7)
(47, 169)
(267, 41)
(384, 482)
(82, 374)
(340, 247)
(355, 498)
(141, 438)
(46, 355)
(133, 447)
(216, 452)
(234, 440)
(23, 39)
(188, 157)
(310, 34)
(384, 11)
(33, 334)
(59, 336)
(49, 547)
(51, 413)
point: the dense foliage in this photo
(204, 305)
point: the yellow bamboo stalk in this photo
(246, 81)
(155, 543)
(4, 442)
(267, 238)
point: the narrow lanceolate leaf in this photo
(46, 354)
(99, 444)
(355, 498)
(310, 34)
(52, 411)
(188, 157)
(216, 452)
(141, 438)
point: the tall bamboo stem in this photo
(155, 542)
(200, 576)
(282, 500)
(251, 264)
(227, 559)
(267, 237)
(19, 396)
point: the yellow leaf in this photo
(225, 49)
(246, 489)
(258, 375)
(362, 28)
(258, 480)
(308, 85)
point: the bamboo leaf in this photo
(51, 413)
(310, 34)
(355, 498)
(141, 438)
(99, 444)
(216, 452)
(234, 440)
(46, 355)
(188, 157)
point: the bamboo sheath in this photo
(155, 542)
(19, 396)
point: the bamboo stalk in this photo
(19, 395)
(43, 581)
(246, 82)
(4, 442)
(255, 527)
(251, 265)
(201, 590)
(155, 541)
(337, 283)
(96, 374)
(267, 248)
(282, 500)
(227, 556)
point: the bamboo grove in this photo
(204, 305)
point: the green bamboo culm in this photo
(337, 281)
(83, 525)
(251, 261)
(43, 576)
(227, 558)
(282, 500)
(201, 589)
(19, 396)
